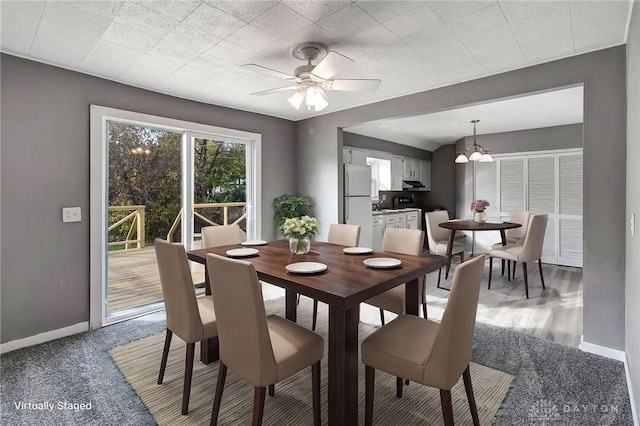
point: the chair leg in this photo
(298, 299)
(315, 315)
(508, 270)
(165, 355)
(382, 316)
(369, 380)
(447, 407)
(272, 390)
(502, 268)
(222, 375)
(526, 281)
(258, 405)
(315, 384)
(513, 274)
(188, 373)
(462, 257)
(399, 387)
(541, 277)
(466, 376)
(491, 269)
(439, 276)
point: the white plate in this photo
(242, 252)
(306, 267)
(254, 243)
(494, 221)
(357, 250)
(382, 262)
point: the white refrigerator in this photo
(357, 201)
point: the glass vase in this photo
(479, 217)
(300, 245)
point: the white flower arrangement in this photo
(300, 227)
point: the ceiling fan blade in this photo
(357, 85)
(270, 91)
(331, 65)
(268, 71)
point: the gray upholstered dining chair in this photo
(515, 235)
(529, 251)
(260, 349)
(222, 235)
(426, 352)
(439, 238)
(404, 241)
(344, 235)
(191, 319)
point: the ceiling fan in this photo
(313, 81)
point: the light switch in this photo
(71, 214)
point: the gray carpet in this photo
(553, 384)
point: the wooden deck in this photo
(554, 314)
(134, 279)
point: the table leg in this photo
(207, 284)
(452, 234)
(412, 297)
(291, 305)
(503, 237)
(343, 366)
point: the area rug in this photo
(139, 363)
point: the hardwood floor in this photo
(554, 314)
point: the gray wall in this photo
(443, 180)
(633, 205)
(45, 166)
(548, 138)
(366, 142)
(603, 75)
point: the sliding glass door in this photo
(160, 178)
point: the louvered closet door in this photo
(570, 210)
(512, 189)
(541, 192)
(487, 189)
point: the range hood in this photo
(412, 184)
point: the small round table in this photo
(467, 225)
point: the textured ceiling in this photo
(194, 49)
(430, 131)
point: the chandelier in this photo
(478, 153)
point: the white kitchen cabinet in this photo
(412, 220)
(396, 173)
(389, 221)
(410, 169)
(355, 156)
(401, 220)
(425, 174)
(378, 232)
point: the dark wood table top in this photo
(467, 225)
(345, 283)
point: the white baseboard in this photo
(618, 355)
(634, 409)
(604, 351)
(81, 327)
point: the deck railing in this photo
(225, 216)
(135, 219)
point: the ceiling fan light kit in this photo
(313, 81)
(479, 154)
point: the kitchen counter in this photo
(391, 211)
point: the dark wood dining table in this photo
(345, 284)
(468, 225)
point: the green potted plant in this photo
(289, 206)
